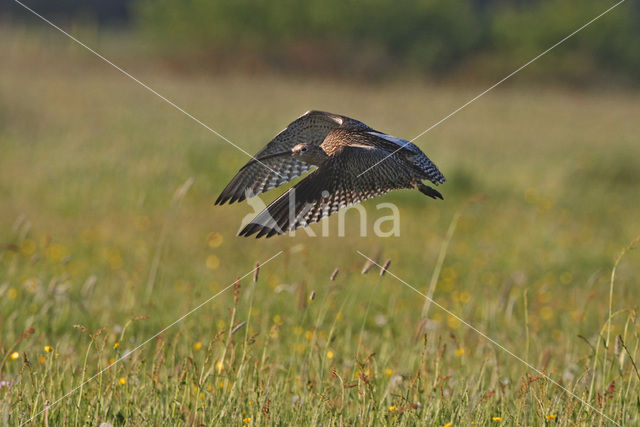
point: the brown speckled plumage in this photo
(342, 148)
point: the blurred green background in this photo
(464, 39)
(107, 217)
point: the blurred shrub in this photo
(428, 34)
(101, 12)
(378, 37)
(611, 43)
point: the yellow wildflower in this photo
(389, 372)
(453, 322)
(465, 296)
(460, 351)
(214, 239)
(48, 348)
(28, 247)
(116, 345)
(42, 359)
(330, 354)
(392, 408)
(220, 366)
(56, 252)
(546, 313)
(197, 345)
(551, 417)
(113, 258)
(496, 418)
(246, 420)
(447, 425)
(122, 380)
(213, 262)
(566, 278)
(15, 355)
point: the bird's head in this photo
(309, 153)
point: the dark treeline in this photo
(103, 12)
(379, 37)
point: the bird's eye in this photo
(303, 149)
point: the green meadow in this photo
(109, 237)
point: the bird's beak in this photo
(268, 156)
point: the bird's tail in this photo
(428, 191)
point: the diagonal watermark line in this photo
(181, 318)
(150, 89)
(494, 342)
(499, 82)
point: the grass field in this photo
(107, 221)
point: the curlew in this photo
(354, 163)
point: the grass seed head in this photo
(384, 267)
(366, 267)
(255, 272)
(238, 327)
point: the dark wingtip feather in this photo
(226, 197)
(253, 228)
(272, 232)
(429, 191)
(262, 232)
(247, 230)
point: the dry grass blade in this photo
(443, 253)
(238, 327)
(384, 267)
(255, 272)
(631, 246)
(369, 264)
(635, 367)
(182, 191)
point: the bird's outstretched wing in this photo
(256, 177)
(393, 144)
(332, 186)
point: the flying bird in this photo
(353, 162)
